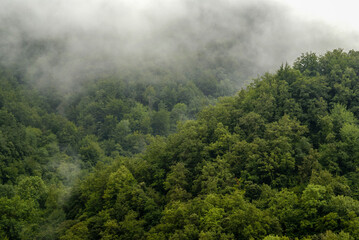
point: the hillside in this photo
(122, 159)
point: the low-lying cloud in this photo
(67, 40)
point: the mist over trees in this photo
(176, 120)
(61, 43)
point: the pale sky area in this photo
(343, 14)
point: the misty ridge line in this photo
(61, 42)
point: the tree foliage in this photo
(124, 158)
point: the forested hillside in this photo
(122, 157)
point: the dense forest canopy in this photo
(121, 159)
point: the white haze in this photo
(341, 15)
(63, 41)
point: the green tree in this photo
(176, 182)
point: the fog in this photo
(64, 41)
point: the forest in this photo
(166, 153)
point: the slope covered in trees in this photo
(279, 160)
